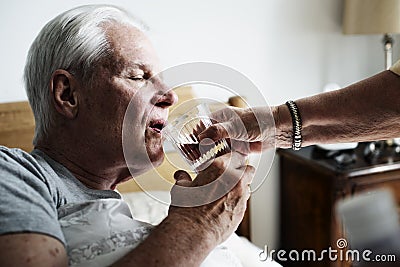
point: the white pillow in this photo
(150, 207)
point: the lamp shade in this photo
(371, 16)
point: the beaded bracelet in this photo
(296, 119)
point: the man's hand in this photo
(250, 130)
(190, 232)
(222, 190)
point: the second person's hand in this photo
(249, 130)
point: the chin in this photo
(154, 148)
(159, 160)
(156, 156)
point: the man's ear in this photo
(64, 94)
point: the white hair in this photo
(74, 41)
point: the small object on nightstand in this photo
(342, 158)
(379, 152)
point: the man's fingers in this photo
(220, 168)
(233, 160)
(248, 174)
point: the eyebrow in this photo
(138, 64)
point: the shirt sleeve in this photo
(396, 68)
(26, 203)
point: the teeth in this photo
(219, 147)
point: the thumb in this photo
(182, 178)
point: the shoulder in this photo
(6, 152)
(18, 167)
(17, 161)
(25, 172)
(27, 195)
(14, 155)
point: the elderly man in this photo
(82, 71)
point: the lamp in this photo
(375, 17)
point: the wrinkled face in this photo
(127, 76)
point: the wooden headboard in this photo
(17, 125)
(17, 129)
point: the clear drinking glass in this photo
(183, 133)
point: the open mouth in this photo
(157, 125)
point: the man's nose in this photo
(165, 96)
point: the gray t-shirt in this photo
(33, 187)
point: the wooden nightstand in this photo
(311, 184)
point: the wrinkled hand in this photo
(250, 130)
(223, 188)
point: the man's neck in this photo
(95, 170)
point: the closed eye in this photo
(136, 78)
(140, 77)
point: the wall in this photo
(289, 49)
